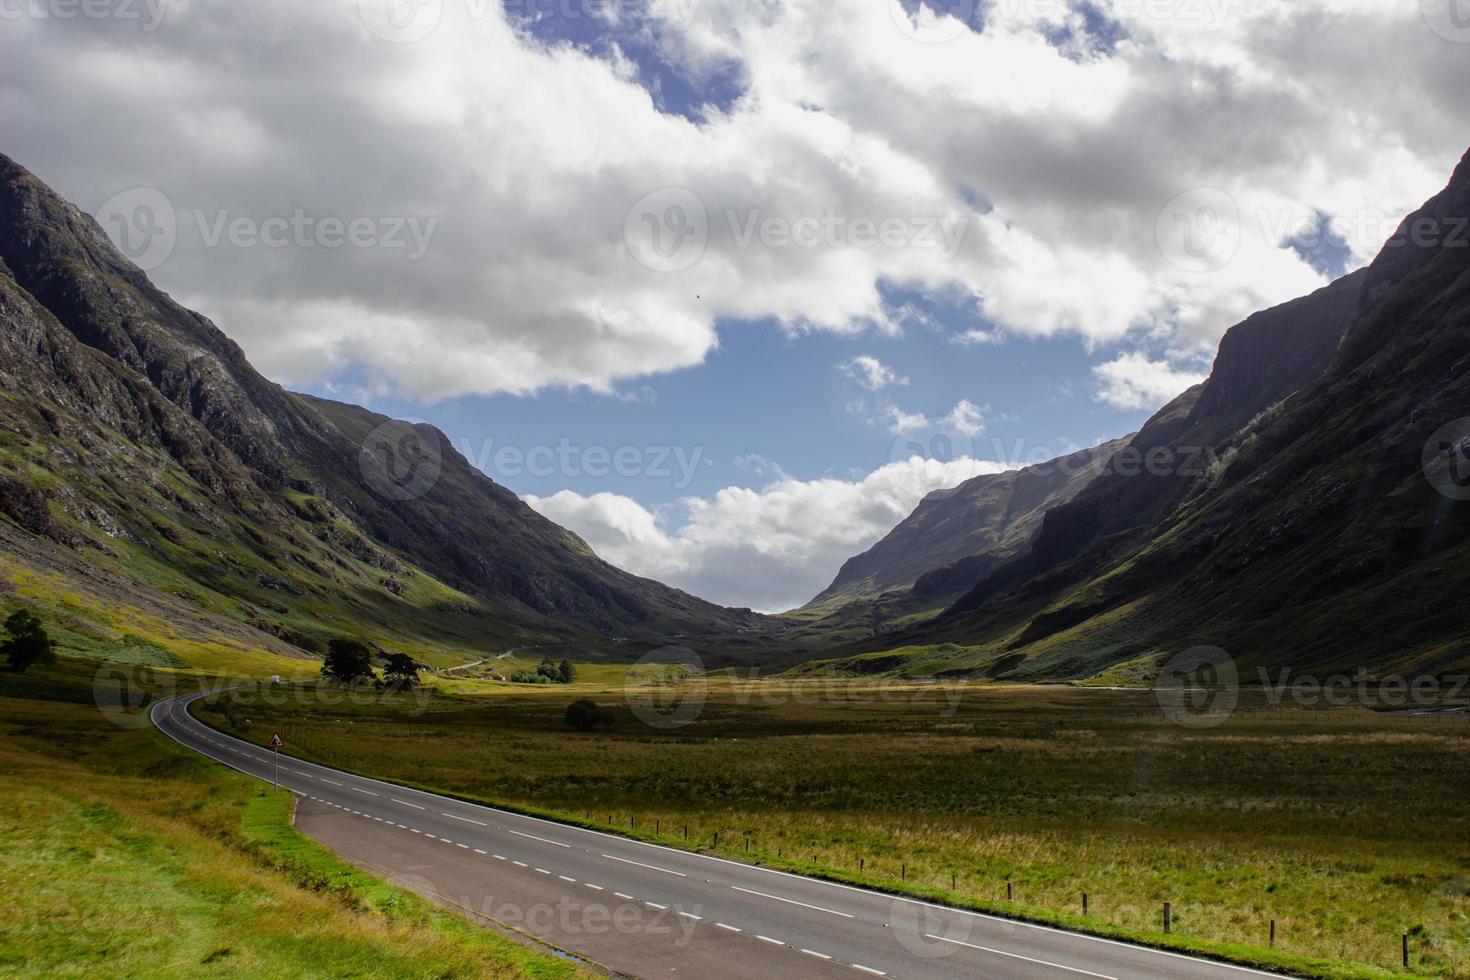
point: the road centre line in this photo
(1018, 956)
(792, 901)
(640, 864)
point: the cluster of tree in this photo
(584, 716)
(350, 661)
(26, 642)
(548, 672)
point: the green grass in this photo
(127, 856)
(1345, 826)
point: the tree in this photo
(400, 671)
(565, 672)
(347, 661)
(584, 715)
(547, 669)
(27, 642)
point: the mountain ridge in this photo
(300, 495)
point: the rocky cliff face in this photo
(157, 445)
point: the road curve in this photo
(642, 909)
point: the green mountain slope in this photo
(1319, 537)
(146, 466)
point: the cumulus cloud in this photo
(965, 418)
(770, 548)
(872, 373)
(1133, 381)
(1046, 180)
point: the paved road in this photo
(646, 910)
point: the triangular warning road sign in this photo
(276, 742)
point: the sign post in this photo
(276, 744)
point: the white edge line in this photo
(534, 837)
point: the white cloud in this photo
(976, 336)
(965, 418)
(1133, 381)
(899, 421)
(872, 373)
(531, 157)
(771, 548)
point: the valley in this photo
(1339, 823)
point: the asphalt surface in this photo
(645, 910)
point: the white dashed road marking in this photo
(1018, 956)
(642, 865)
(790, 901)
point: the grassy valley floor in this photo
(1346, 826)
(124, 855)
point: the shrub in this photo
(584, 716)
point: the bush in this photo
(584, 716)
(529, 677)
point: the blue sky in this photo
(662, 229)
(784, 398)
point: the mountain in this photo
(1326, 527)
(959, 532)
(1260, 361)
(146, 465)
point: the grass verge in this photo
(129, 856)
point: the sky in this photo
(728, 287)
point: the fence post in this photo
(1084, 903)
(903, 872)
(1406, 950)
(1008, 891)
(862, 863)
(1273, 932)
(953, 883)
(1168, 916)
